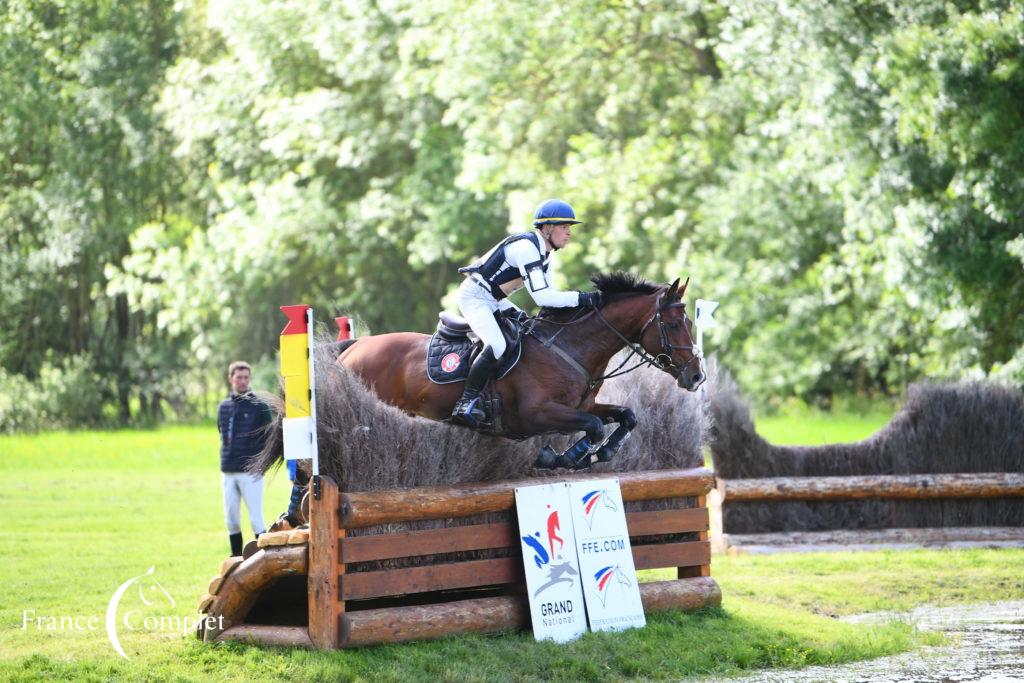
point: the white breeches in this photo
(478, 307)
(238, 485)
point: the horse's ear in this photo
(672, 289)
(683, 290)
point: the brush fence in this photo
(776, 490)
(373, 577)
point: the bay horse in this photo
(566, 352)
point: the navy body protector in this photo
(495, 270)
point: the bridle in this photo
(662, 361)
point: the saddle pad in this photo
(448, 361)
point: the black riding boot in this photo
(468, 411)
(236, 543)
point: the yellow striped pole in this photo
(299, 423)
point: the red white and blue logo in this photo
(603, 580)
(545, 553)
(590, 505)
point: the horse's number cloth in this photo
(448, 361)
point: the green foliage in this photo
(843, 178)
(66, 394)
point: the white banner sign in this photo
(704, 321)
(605, 556)
(549, 558)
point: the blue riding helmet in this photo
(554, 211)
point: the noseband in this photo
(667, 347)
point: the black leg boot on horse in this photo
(468, 410)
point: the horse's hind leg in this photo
(626, 420)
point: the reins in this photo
(636, 349)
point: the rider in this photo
(522, 258)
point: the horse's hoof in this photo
(548, 459)
(605, 454)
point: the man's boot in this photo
(236, 543)
(468, 410)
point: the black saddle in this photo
(453, 347)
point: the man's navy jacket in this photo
(240, 419)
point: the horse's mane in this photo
(619, 283)
(613, 286)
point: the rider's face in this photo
(559, 234)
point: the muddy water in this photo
(986, 644)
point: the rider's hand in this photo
(591, 299)
(516, 314)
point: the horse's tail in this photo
(338, 347)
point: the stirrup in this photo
(467, 411)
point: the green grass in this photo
(84, 512)
(810, 427)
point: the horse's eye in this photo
(673, 326)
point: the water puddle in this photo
(987, 645)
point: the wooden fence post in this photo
(325, 605)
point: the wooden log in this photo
(687, 554)
(883, 486)
(704, 569)
(667, 521)
(499, 535)
(491, 615)
(441, 502)
(282, 636)
(229, 565)
(273, 538)
(324, 597)
(716, 529)
(471, 574)
(498, 571)
(876, 539)
(205, 602)
(428, 542)
(429, 622)
(214, 586)
(239, 591)
(298, 537)
(681, 594)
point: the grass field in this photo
(814, 428)
(84, 512)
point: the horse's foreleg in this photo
(555, 417)
(626, 420)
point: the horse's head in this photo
(668, 336)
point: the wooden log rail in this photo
(338, 578)
(443, 502)
(882, 486)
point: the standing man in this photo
(241, 419)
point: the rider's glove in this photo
(516, 314)
(590, 299)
